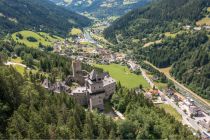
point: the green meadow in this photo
(40, 37)
(124, 75)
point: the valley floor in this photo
(185, 91)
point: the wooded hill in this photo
(28, 111)
(159, 17)
(39, 15)
(187, 51)
(189, 56)
(102, 8)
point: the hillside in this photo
(23, 37)
(189, 56)
(39, 15)
(162, 16)
(102, 8)
(29, 111)
(161, 25)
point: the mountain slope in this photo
(187, 52)
(162, 16)
(102, 8)
(39, 15)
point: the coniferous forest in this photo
(30, 111)
(186, 51)
(38, 15)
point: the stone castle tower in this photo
(76, 67)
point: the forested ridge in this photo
(144, 120)
(186, 51)
(29, 111)
(189, 56)
(39, 15)
(162, 16)
(103, 8)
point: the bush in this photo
(32, 39)
(20, 36)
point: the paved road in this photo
(200, 102)
(89, 38)
(186, 120)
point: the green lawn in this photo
(16, 60)
(204, 21)
(171, 111)
(76, 32)
(41, 37)
(19, 69)
(208, 9)
(123, 74)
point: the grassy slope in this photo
(42, 37)
(205, 20)
(171, 111)
(123, 74)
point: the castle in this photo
(93, 90)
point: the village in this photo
(93, 89)
(192, 115)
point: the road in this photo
(186, 119)
(200, 102)
(89, 38)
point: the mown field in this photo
(124, 75)
(39, 37)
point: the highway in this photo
(186, 120)
(199, 101)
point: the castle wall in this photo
(95, 87)
(109, 90)
(97, 101)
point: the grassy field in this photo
(19, 69)
(204, 21)
(101, 39)
(160, 85)
(173, 35)
(208, 9)
(152, 43)
(123, 74)
(16, 60)
(41, 37)
(171, 111)
(168, 34)
(75, 31)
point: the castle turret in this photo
(76, 67)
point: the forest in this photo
(38, 15)
(189, 56)
(154, 19)
(103, 9)
(187, 52)
(28, 111)
(144, 120)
